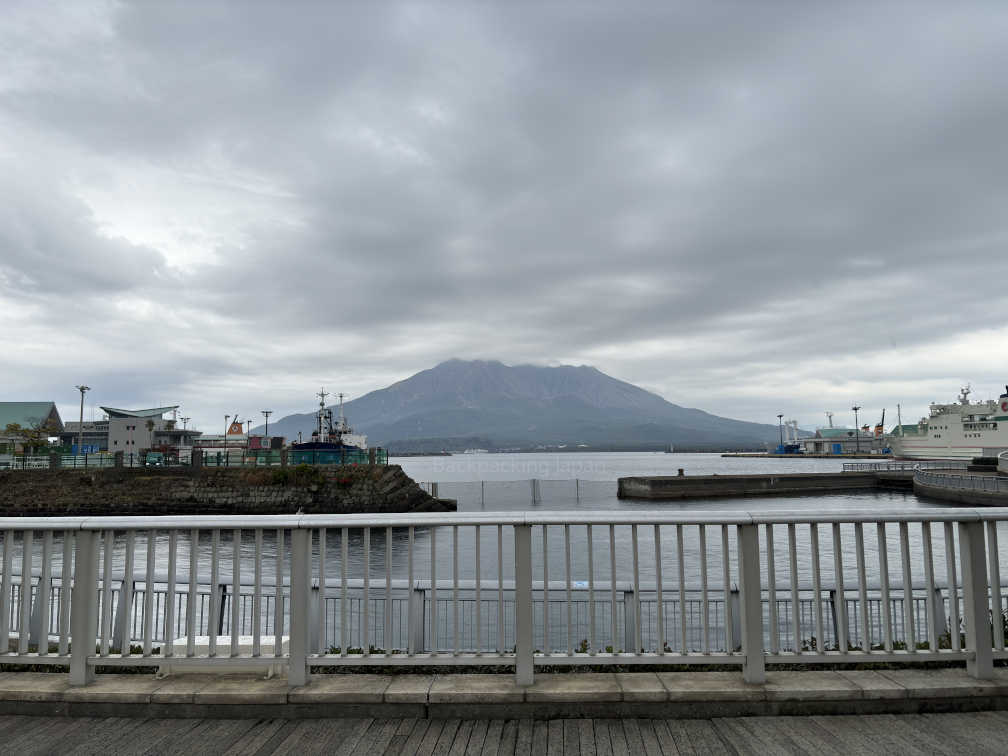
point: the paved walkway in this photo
(976, 733)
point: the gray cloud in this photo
(746, 209)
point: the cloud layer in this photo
(746, 209)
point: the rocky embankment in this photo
(190, 491)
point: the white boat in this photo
(962, 430)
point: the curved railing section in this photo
(995, 484)
(519, 589)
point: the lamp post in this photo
(780, 424)
(857, 430)
(184, 421)
(226, 418)
(80, 430)
(266, 414)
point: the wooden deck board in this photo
(980, 733)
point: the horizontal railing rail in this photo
(521, 589)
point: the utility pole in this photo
(780, 424)
(266, 414)
(80, 431)
(857, 430)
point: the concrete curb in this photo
(596, 695)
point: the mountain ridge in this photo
(524, 406)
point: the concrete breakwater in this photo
(336, 489)
(660, 488)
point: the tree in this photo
(34, 436)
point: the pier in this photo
(856, 476)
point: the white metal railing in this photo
(983, 483)
(905, 465)
(520, 589)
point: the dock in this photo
(670, 487)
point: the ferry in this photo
(330, 442)
(961, 430)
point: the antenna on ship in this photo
(341, 407)
(829, 416)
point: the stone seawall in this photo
(184, 490)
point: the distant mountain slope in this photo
(458, 403)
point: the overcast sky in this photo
(749, 208)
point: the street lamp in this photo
(266, 414)
(857, 430)
(184, 421)
(226, 418)
(80, 431)
(780, 423)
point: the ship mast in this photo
(321, 413)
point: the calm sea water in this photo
(586, 482)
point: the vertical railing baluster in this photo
(24, 620)
(994, 571)
(908, 613)
(193, 596)
(883, 552)
(817, 589)
(236, 538)
(612, 587)
(524, 649)
(726, 577)
(433, 591)
(344, 554)
(704, 598)
(411, 648)
(322, 647)
(5, 591)
(839, 600)
(455, 591)
(772, 590)
(862, 586)
(169, 612)
(683, 640)
(366, 601)
(591, 593)
(479, 605)
(953, 588)
(500, 589)
(278, 605)
(215, 597)
(567, 577)
(126, 594)
(929, 586)
(148, 625)
(106, 625)
(638, 632)
(795, 596)
(545, 551)
(66, 580)
(300, 590)
(45, 592)
(388, 590)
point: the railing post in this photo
(524, 652)
(976, 611)
(753, 669)
(84, 608)
(299, 622)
